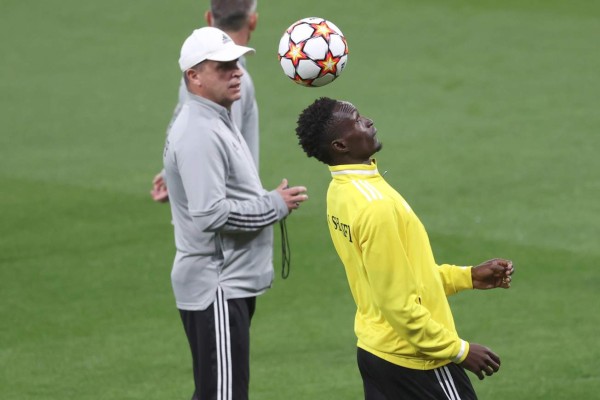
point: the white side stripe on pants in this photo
(224, 385)
(447, 383)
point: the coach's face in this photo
(220, 81)
(356, 135)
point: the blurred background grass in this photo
(489, 116)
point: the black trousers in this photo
(383, 380)
(219, 339)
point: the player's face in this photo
(357, 133)
(221, 82)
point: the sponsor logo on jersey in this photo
(341, 227)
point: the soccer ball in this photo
(313, 52)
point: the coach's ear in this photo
(193, 77)
(208, 18)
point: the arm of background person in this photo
(159, 192)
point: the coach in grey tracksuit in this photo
(221, 213)
(222, 217)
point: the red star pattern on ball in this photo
(303, 82)
(296, 53)
(329, 64)
(322, 29)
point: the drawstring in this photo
(286, 253)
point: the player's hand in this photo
(481, 360)
(293, 196)
(159, 191)
(496, 273)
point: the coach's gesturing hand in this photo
(481, 360)
(292, 196)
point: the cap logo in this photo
(226, 39)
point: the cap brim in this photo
(230, 53)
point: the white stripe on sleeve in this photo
(461, 352)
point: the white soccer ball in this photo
(313, 52)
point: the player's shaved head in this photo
(343, 107)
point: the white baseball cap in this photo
(209, 43)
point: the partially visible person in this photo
(408, 346)
(237, 18)
(159, 192)
(222, 217)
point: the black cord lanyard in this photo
(286, 253)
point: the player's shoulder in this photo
(366, 191)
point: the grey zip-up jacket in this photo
(222, 215)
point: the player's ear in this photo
(338, 146)
(208, 17)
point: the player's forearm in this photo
(455, 278)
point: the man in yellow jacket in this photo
(408, 346)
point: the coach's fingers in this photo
(283, 184)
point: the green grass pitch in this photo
(489, 116)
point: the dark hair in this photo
(314, 129)
(231, 15)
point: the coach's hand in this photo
(493, 274)
(481, 360)
(293, 196)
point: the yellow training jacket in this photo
(402, 315)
